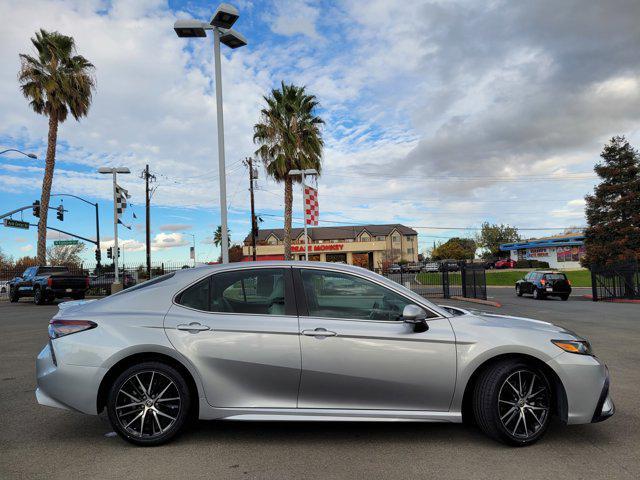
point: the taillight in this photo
(50, 282)
(543, 281)
(569, 282)
(60, 328)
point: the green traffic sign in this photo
(66, 242)
(10, 222)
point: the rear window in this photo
(555, 276)
(45, 270)
(146, 284)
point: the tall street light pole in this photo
(221, 22)
(114, 171)
(303, 173)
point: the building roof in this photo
(568, 239)
(334, 233)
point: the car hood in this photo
(510, 321)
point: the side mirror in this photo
(416, 316)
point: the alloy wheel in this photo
(148, 404)
(523, 404)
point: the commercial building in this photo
(368, 246)
(560, 251)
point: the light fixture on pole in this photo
(114, 171)
(303, 173)
(30, 155)
(221, 22)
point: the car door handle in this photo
(319, 332)
(193, 327)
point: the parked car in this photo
(431, 267)
(46, 283)
(394, 268)
(544, 283)
(176, 346)
(104, 281)
(4, 287)
(505, 263)
(413, 267)
(449, 265)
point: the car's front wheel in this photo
(39, 297)
(13, 295)
(518, 290)
(512, 402)
(149, 403)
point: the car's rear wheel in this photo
(148, 404)
(537, 294)
(564, 297)
(518, 290)
(512, 403)
(78, 296)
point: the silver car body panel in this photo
(247, 367)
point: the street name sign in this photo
(10, 222)
(66, 242)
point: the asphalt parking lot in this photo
(41, 442)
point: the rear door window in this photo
(260, 291)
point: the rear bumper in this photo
(66, 386)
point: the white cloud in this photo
(26, 248)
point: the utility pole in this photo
(148, 176)
(254, 224)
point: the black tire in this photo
(537, 294)
(564, 297)
(78, 296)
(518, 291)
(493, 415)
(157, 375)
(39, 298)
(13, 295)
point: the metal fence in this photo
(468, 281)
(613, 282)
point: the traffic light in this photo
(110, 252)
(118, 252)
(60, 213)
(98, 255)
(36, 208)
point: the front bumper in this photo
(586, 384)
(605, 407)
(67, 386)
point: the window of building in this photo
(349, 240)
(395, 238)
(410, 250)
(365, 237)
(338, 295)
(381, 238)
(272, 240)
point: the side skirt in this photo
(327, 415)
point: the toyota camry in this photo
(312, 342)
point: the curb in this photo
(477, 300)
(614, 300)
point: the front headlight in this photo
(581, 347)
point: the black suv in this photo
(544, 283)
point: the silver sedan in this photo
(310, 341)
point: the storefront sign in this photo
(322, 247)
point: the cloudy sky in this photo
(439, 115)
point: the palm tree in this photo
(56, 82)
(217, 236)
(290, 138)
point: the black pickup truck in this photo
(46, 283)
